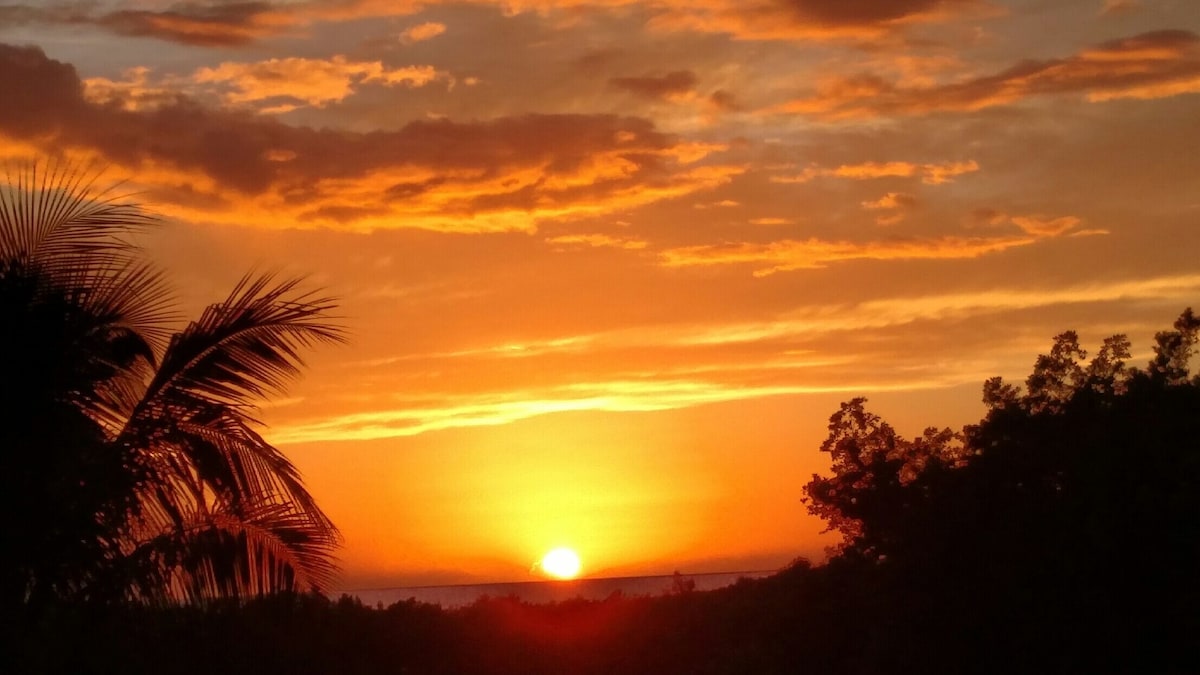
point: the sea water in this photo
(540, 592)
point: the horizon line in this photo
(557, 581)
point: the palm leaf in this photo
(203, 505)
(58, 216)
(247, 347)
(263, 549)
(194, 426)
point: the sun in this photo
(561, 563)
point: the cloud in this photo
(491, 409)
(201, 24)
(234, 166)
(931, 174)
(1151, 65)
(315, 82)
(208, 23)
(221, 23)
(423, 31)
(722, 204)
(895, 311)
(894, 204)
(1112, 7)
(1045, 227)
(891, 200)
(671, 86)
(724, 101)
(596, 241)
(137, 91)
(800, 19)
(789, 254)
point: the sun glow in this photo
(561, 563)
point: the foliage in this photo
(1068, 508)
(131, 468)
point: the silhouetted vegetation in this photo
(130, 468)
(1057, 535)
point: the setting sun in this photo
(561, 563)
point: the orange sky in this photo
(609, 265)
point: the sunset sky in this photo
(608, 266)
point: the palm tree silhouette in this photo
(130, 467)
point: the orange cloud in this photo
(932, 174)
(423, 31)
(201, 24)
(490, 409)
(213, 23)
(234, 166)
(597, 241)
(316, 82)
(793, 19)
(891, 200)
(1045, 227)
(1151, 65)
(788, 254)
(135, 92)
(1119, 7)
(895, 311)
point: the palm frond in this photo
(246, 347)
(58, 216)
(263, 549)
(184, 499)
(245, 468)
(194, 438)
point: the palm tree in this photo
(130, 467)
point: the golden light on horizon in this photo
(561, 563)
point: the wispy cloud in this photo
(931, 174)
(510, 407)
(813, 253)
(597, 241)
(894, 311)
(1151, 65)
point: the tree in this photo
(1061, 521)
(130, 467)
(868, 499)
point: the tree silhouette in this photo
(1063, 520)
(130, 467)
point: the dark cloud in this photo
(1151, 65)
(597, 61)
(666, 86)
(254, 154)
(724, 100)
(805, 19)
(192, 23)
(857, 12)
(21, 15)
(195, 24)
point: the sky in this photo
(608, 266)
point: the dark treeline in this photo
(1057, 535)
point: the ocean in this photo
(540, 592)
